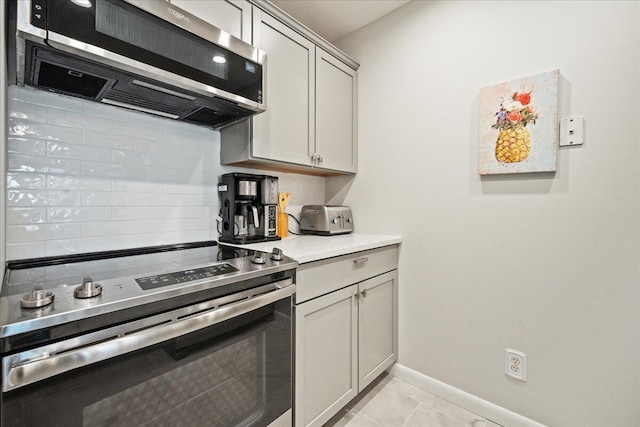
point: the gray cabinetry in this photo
(232, 16)
(336, 116)
(310, 123)
(346, 330)
(285, 131)
(326, 356)
(377, 338)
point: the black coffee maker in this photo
(248, 208)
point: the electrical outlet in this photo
(515, 364)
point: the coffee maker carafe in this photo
(248, 208)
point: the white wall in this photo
(546, 263)
(84, 177)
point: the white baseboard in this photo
(461, 398)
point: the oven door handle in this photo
(19, 375)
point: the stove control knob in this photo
(259, 258)
(276, 255)
(88, 289)
(37, 298)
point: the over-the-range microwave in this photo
(149, 56)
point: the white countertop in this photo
(309, 248)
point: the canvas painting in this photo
(519, 125)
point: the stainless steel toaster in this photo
(326, 220)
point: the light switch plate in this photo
(572, 131)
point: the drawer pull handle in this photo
(360, 261)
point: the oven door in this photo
(224, 362)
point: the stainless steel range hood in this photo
(148, 56)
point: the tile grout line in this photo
(412, 414)
(439, 410)
(370, 419)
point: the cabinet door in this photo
(377, 326)
(285, 131)
(326, 356)
(336, 113)
(232, 16)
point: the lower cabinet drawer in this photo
(322, 277)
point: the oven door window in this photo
(237, 373)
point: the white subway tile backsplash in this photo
(101, 229)
(109, 111)
(163, 175)
(109, 228)
(189, 188)
(185, 131)
(109, 170)
(78, 214)
(118, 228)
(82, 121)
(135, 186)
(24, 110)
(38, 232)
(43, 198)
(72, 246)
(26, 215)
(144, 128)
(31, 129)
(25, 250)
(133, 213)
(77, 151)
(190, 199)
(200, 173)
(47, 99)
(87, 177)
(190, 236)
(175, 150)
(29, 147)
(187, 211)
(121, 199)
(17, 180)
(20, 163)
(122, 142)
(145, 159)
(72, 182)
(184, 224)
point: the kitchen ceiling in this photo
(334, 19)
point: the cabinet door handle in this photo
(320, 158)
(364, 293)
(360, 261)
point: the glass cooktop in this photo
(141, 263)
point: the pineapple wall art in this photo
(518, 125)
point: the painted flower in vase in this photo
(514, 141)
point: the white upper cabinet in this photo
(285, 131)
(232, 16)
(336, 116)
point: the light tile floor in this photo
(391, 402)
